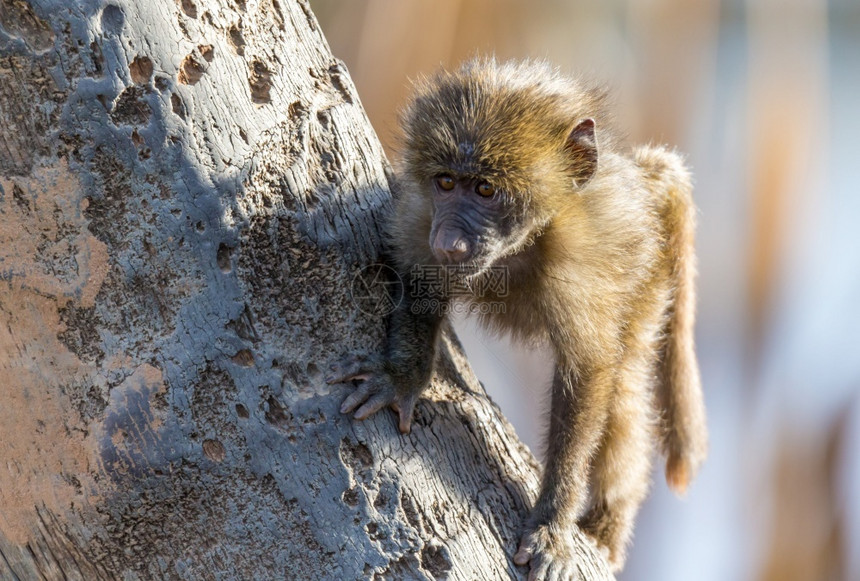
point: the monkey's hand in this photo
(550, 551)
(378, 388)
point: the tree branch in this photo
(187, 191)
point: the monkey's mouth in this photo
(470, 270)
(464, 269)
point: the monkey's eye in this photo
(445, 183)
(485, 190)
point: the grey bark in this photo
(187, 191)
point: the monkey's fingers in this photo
(551, 558)
(525, 552)
(373, 405)
(404, 405)
(538, 572)
(349, 370)
(348, 378)
(553, 570)
(356, 398)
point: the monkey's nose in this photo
(449, 247)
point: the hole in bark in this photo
(140, 70)
(242, 411)
(350, 497)
(237, 40)
(260, 82)
(190, 71)
(20, 197)
(410, 511)
(338, 81)
(223, 258)
(97, 58)
(207, 52)
(297, 111)
(436, 560)
(324, 118)
(244, 358)
(381, 500)
(372, 530)
(131, 107)
(278, 14)
(355, 454)
(189, 8)
(277, 415)
(143, 151)
(214, 450)
(200, 226)
(113, 19)
(176, 104)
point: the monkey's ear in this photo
(581, 149)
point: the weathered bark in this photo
(186, 192)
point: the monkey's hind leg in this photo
(620, 474)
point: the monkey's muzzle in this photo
(449, 246)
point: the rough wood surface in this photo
(187, 190)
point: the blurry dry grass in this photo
(787, 113)
(807, 536)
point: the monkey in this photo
(514, 168)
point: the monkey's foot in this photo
(375, 391)
(551, 553)
(611, 529)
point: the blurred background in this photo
(764, 97)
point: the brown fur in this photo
(601, 266)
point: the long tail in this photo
(684, 434)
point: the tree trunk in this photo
(187, 191)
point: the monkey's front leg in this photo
(577, 420)
(397, 377)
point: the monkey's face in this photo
(473, 223)
(489, 156)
